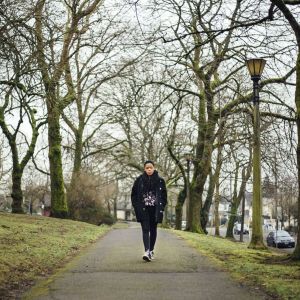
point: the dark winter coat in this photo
(159, 187)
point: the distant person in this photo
(149, 198)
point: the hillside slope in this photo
(33, 246)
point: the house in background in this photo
(5, 202)
(124, 207)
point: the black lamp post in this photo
(255, 67)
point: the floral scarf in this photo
(149, 188)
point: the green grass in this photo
(271, 271)
(32, 247)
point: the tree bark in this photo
(56, 103)
(216, 210)
(208, 201)
(17, 194)
(246, 173)
(77, 159)
(234, 205)
(202, 167)
(232, 218)
(59, 207)
(295, 25)
(195, 209)
(214, 179)
(18, 167)
(296, 253)
(178, 209)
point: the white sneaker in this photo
(147, 256)
(151, 255)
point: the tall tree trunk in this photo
(178, 209)
(208, 201)
(295, 25)
(18, 168)
(202, 166)
(195, 209)
(232, 218)
(216, 210)
(76, 170)
(77, 155)
(165, 222)
(246, 173)
(296, 253)
(213, 178)
(17, 194)
(234, 205)
(78, 132)
(52, 80)
(59, 207)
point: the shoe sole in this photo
(146, 258)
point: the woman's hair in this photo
(148, 162)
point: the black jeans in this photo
(149, 228)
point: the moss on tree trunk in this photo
(77, 157)
(17, 194)
(76, 170)
(235, 204)
(208, 201)
(217, 203)
(18, 168)
(178, 209)
(59, 207)
(232, 219)
(195, 209)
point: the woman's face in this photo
(149, 169)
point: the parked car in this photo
(280, 238)
(238, 227)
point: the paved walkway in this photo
(113, 269)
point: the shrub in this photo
(86, 200)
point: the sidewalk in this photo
(113, 269)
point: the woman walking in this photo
(149, 198)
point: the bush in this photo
(107, 219)
(86, 202)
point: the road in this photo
(246, 238)
(113, 269)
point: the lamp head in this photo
(255, 67)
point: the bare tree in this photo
(56, 43)
(214, 62)
(19, 92)
(96, 64)
(292, 17)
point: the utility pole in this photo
(188, 159)
(275, 194)
(243, 217)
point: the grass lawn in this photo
(272, 272)
(32, 247)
